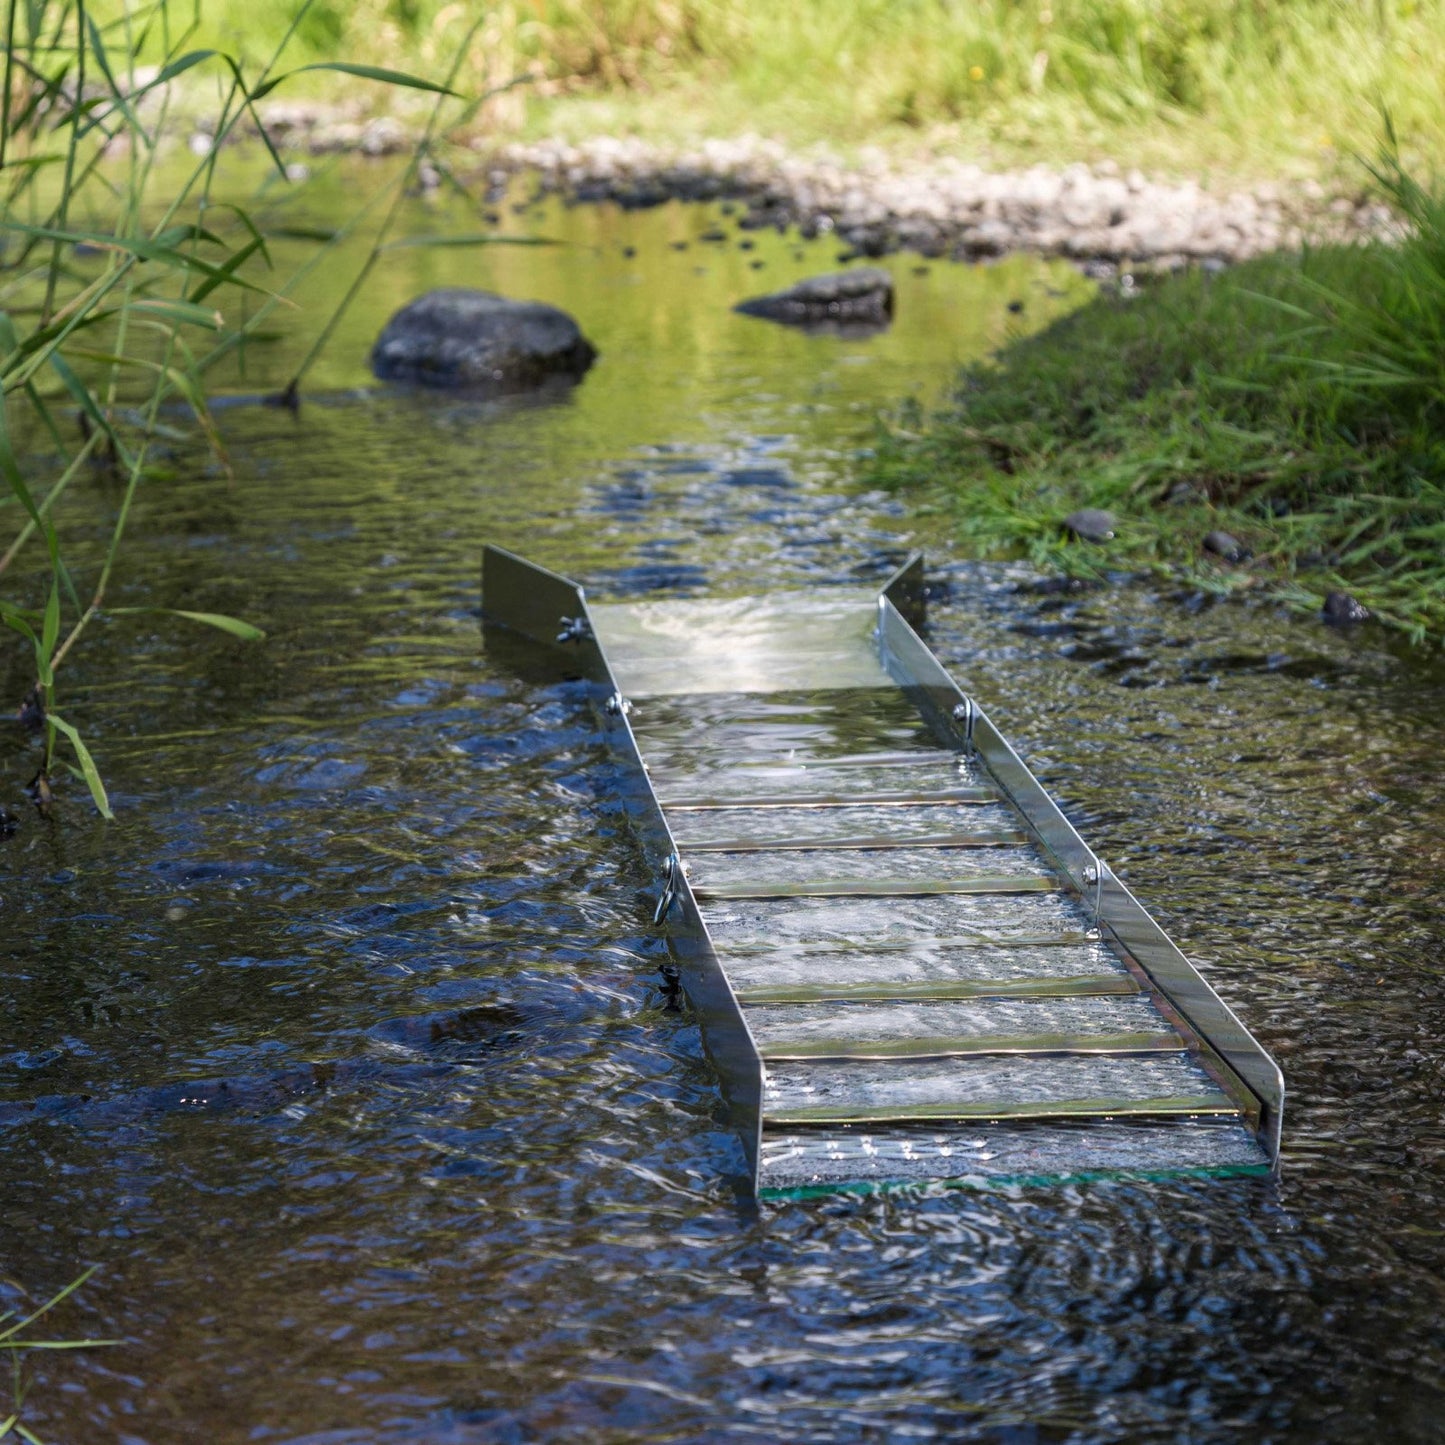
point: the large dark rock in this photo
(474, 339)
(858, 300)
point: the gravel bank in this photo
(1105, 217)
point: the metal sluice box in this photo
(906, 963)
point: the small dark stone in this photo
(1091, 524)
(1016, 307)
(679, 245)
(8, 823)
(461, 338)
(1227, 547)
(872, 243)
(757, 265)
(746, 245)
(38, 791)
(713, 233)
(1342, 610)
(855, 299)
(31, 712)
(1180, 494)
(921, 270)
(642, 197)
(629, 251)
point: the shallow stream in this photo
(341, 1052)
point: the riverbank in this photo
(1276, 429)
(1103, 216)
(946, 206)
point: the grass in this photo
(1249, 86)
(1296, 402)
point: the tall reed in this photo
(116, 294)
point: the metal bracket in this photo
(574, 629)
(964, 712)
(671, 877)
(617, 705)
(1096, 877)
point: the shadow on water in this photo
(343, 1053)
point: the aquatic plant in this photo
(120, 289)
(15, 1342)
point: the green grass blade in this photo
(88, 770)
(97, 48)
(234, 625)
(363, 72)
(49, 1304)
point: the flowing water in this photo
(342, 1052)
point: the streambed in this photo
(342, 1054)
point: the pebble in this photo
(1091, 524)
(1227, 547)
(1342, 610)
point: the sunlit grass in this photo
(1187, 83)
(1297, 402)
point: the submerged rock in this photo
(1342, 610)
(1227, 547)
(1091, 524)
(457, 337)
(860, 300)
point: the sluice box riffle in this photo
(906, 963)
